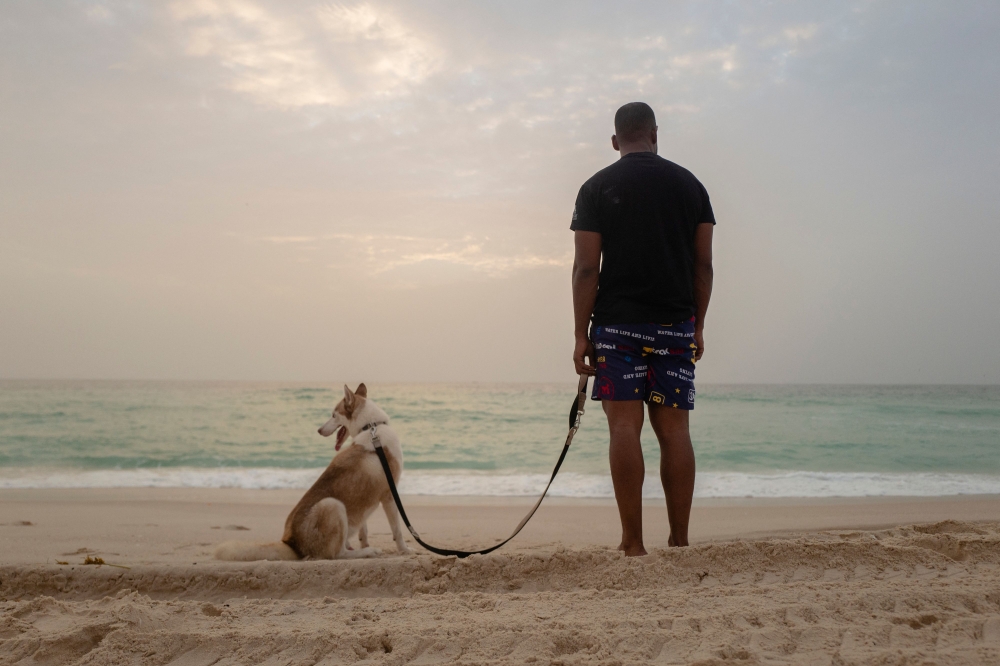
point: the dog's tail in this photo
(248, 551)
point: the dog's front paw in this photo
(361, 552)
(404, 550)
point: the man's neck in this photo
(637, 148)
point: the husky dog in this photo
(339, 503)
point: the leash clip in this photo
(376, 441)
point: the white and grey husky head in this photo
(351, 414)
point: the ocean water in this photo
(500, 439)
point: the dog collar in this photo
(369, 426)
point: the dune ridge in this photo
(846, 555)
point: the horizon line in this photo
(327, 382)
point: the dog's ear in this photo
(348, 397)
(362, 390)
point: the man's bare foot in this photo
(633, 551)
(672, 542)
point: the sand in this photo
(872, 581)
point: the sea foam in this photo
(567, 484)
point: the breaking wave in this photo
(567, 484)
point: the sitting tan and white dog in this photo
(339, 503)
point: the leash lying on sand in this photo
(575, 414)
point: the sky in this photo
(251, 190)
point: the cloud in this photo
(331, 56)
(472, 255)
(800, 33)
(715, 60)
(343, 55)
(394, 53)
(99, 13)
(282, 240)
(382, 254)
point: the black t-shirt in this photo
(646, 209)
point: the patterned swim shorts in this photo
(651, 362)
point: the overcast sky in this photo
(240, 189)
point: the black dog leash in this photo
(575, 414)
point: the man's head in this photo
(635, 129)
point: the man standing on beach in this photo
(642, 279)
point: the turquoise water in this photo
(469, 433)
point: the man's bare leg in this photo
(627, 469)
(676, 467)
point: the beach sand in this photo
(840, 581)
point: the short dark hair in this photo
(634, 121)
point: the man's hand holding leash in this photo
(583, 352)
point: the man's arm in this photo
(586, 271)
(703, 274)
